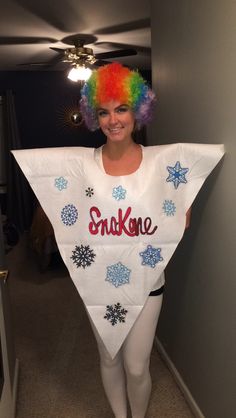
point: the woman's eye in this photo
(102, 113)
(122, 109)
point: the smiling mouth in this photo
(114, 129)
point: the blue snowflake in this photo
(177, 174)
(83, 256)
(115, 313)
(151, 256)
(118, 274)
(69, 215)
(169, 207)
(89, 192)
(119, 193)
(61, 183)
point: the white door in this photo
(8, 364)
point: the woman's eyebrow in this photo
(122, 105)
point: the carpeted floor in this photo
(59, 371)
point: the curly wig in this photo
(119, 83)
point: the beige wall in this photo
(194, 76)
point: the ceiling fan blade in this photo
(138, 48)
(33, 64)
(100, 63)
(53, 61)
(59, 50)
(116, 54)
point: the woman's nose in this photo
(113, 117)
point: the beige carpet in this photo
(59, 372)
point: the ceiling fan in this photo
(80, 55)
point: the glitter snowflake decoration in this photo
(118, 274)
(169, 208)
(115, 313)
(89, 192)
(61, 183)
(69, 215)
(119, 193)
(151, 256)
(83, 256)
(177, 174)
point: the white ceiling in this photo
(29, 27)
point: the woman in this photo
(112, 107)
(118, 214)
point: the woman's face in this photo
(116, 120)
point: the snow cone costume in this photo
(116, 234)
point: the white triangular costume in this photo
(116, 234)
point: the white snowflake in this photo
(119, 193)
(169, 207)
(151, 256)
(115, 313)
(61, 183)
(118, 274)
(177, 174)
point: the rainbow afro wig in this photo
(119, 83)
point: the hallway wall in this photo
(194, 67)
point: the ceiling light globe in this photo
(79, 73)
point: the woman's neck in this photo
(121, 159)
(117, 150)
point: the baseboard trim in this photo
(182, 386)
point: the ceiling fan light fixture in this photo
(79, 73)
(79, 54)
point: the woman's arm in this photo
(188, 217)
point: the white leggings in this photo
(129, 372)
